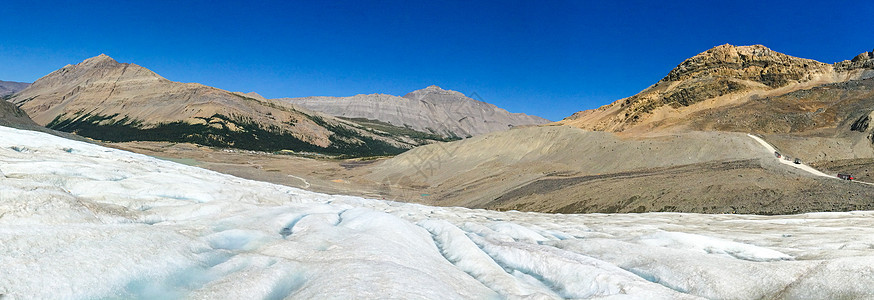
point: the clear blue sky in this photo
(548, 58)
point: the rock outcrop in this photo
(755, 63)
(715, 79)
(431, 110)
(864, 61)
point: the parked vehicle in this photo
(846, 176)
(777, 154)
(797, 161)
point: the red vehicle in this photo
(777, 154)
(846, 176)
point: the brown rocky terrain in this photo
(720, 80)
(432, 110)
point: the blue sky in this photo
(548, 58)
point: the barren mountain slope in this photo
(12, 116)
(431, 110)
(826, 122)
(107, 100)
(476, 171)
(821, 123)
(568, 170)
(723, 76)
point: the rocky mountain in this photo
(8, 88)
(719, 80)
(111, 101)
(431, 110)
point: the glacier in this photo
(81, 221)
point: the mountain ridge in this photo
(433, 110)
(104, 99)
(7, 88)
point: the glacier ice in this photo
(82, 221)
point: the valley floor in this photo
(83, 221)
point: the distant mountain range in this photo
(8, 88)
(111, 101)
(106, 100)
(433, 110)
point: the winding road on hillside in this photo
(803, 167)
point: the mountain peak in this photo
(431, 110)
(432, 90)
(754, 62)
(102, 58)
(864, 56)
(99, 75)
(729, 47)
